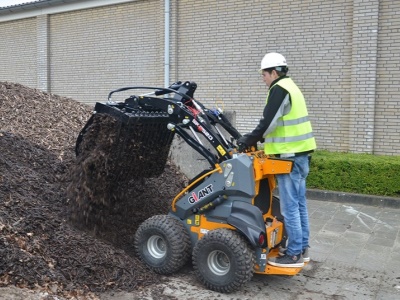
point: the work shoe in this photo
(295, 261)
(306, 256)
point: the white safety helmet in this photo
(273, 60)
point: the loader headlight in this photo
(261, 239)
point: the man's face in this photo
(268, 77)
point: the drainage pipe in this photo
(166, 42)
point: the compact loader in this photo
(226, 220)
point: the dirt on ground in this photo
(67, 222)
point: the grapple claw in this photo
(137, 142)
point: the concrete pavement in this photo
(359, 243)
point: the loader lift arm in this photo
(184, 112)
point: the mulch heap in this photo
(49, 240)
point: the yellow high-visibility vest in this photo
(293, 133)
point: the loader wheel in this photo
(223, 260)
(163, 244)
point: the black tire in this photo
(163, 244)
(223, 260)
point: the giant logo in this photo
(201, 194)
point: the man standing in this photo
(287, 133)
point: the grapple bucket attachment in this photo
(132, 143)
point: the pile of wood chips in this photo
(41, 246)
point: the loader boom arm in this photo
(184, 112)
(144, 125)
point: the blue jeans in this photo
(292, 194)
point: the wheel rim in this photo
(218, 263)
(156, 246)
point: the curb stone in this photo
(333, 196)
(379, 201)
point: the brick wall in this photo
(221, 44)
(387, 105)
(96, 50)
(18, 51)
(343, 54)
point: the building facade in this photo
(345, 56)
